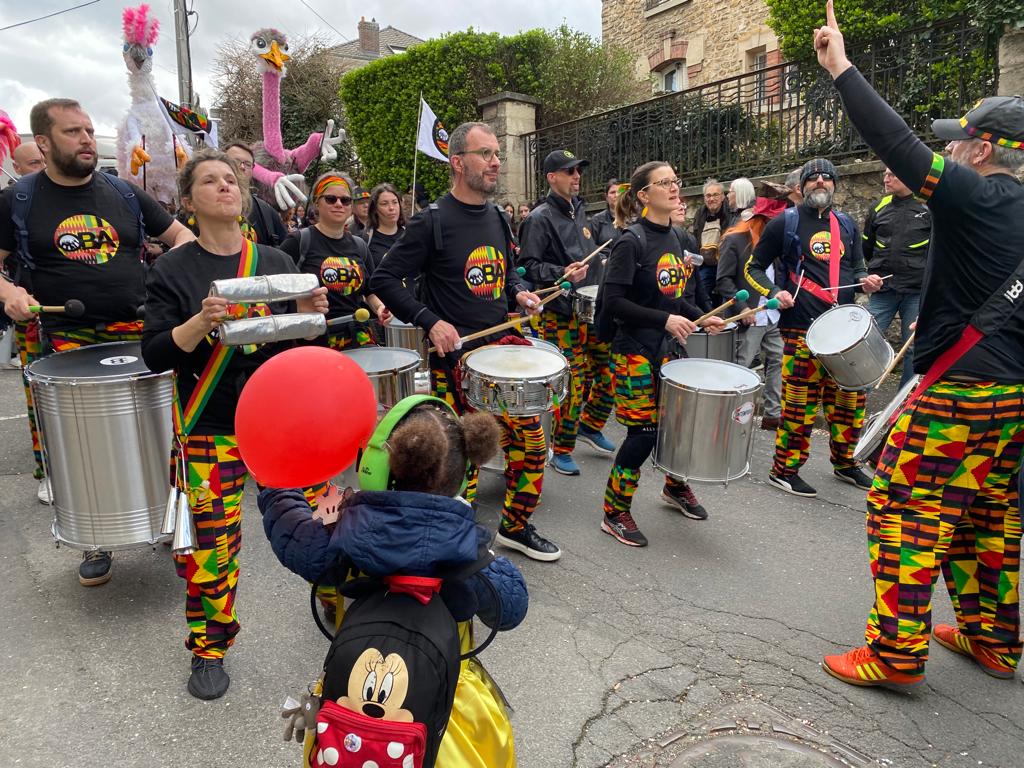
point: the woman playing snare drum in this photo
(180, 333)
(644, 292)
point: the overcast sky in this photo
(78, 54)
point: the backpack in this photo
(21, 204)
(389, 678)
(305, 239)
(606, 325)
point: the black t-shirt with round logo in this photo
(84, 241)
(339, 265)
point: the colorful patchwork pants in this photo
(216, 478)
(805, 387)
(590, 391)
(350, 339)
(945, 496)
(30, 348)
(636, 408)
(522, 440)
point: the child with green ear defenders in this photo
(407, 519)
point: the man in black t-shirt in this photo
(461, 251)
(265, 225)
(945, 493)
(83, 243)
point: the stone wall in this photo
(712, 37)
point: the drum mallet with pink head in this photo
(741, 295)
(300, 325)
(71, 308)
(265, 288)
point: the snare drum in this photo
(876, 428)
(515, 380)
(105, 425)
(584, 303)
(705, 420)
(719, 346)
(850, 347)
(392, 372)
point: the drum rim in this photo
(532, 348)
(869, 434)
(826, 313)
(727, 393)
(49, 378)
(581, 294)
(365, 351)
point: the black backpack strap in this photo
(304, 239)
(132, 201)
(21, 204)
(435, 224)
(472, 571)
(261, 210)
(363, 248)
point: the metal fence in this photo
(772, 119)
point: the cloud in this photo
(78, 54)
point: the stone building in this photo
(373, 43)
(680, 44)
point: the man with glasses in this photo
(816, 249)
(554, 240)
(710, 223)
(265, 225)
(460, 250)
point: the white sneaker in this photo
(45, 492)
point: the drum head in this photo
(838, 329)
(395, 322)
(710, 375)
(99, 361)
(516, 362)
(590, 291)
(381, 359)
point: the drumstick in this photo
(361, 315)
(522, 270)
(741, 295)
(853, 285)
(770, 304)
(499, 327)
(897, 358)
(563, 286)
(71, 308)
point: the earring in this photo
(191, 220)
(241, 218)
(643, 213)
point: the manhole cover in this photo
(753, 751)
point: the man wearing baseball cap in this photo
(818, 249)
(945, 491)
(360, 211)
(553, 240)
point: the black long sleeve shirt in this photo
(977, 231)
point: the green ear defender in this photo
(374, 466)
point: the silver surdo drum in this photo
(392, 372)
(876, 427)
(497, 462)
(705, 420)
(849, 345)
(584, 303)
(719, 346)
(105, 425)
(515, 379)
(408, 336)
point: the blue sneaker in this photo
(565, 464)
(595, 439)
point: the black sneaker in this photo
(95, 568)
(854, 476)
(792, 484)
(529, 542)
(623, 528)
(683, 499)
(208, 679)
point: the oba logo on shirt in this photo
(821, 246)
(341, 275)
(88, 239)
(672, 274)
(485, 272)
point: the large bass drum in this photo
(849, 345)
(105, 425)
(876, 427)
(705, 420)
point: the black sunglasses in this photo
(332, 199)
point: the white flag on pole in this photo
(432, 138)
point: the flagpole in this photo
(416, 151)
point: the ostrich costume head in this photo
(140, 31)
(271, 46)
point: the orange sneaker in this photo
(951, 637)
(861, 666)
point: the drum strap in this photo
(806, 284)
(220, 356)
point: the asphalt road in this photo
(627, 658)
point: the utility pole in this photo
(184, 54)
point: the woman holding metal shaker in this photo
(339, 259)
(180, 332)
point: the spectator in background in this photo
(741, 196)
(524, 211)
(710, 223)
(265, 225)
(26, 158)
(385, 222)
(603, 222)
(360, 211)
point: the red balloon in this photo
(303, 416)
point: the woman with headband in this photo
(338, 258)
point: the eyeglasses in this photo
(485, 153)
(571, 171)
(245, 165)
(332, 199)
(821, 175)
(665, 183)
